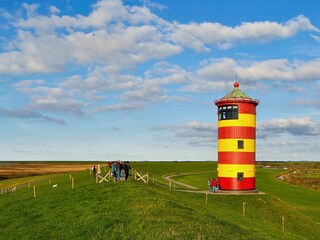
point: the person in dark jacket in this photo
(126, 168)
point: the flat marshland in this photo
(138, 210)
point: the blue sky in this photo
(136, 80)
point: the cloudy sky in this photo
(136, 79)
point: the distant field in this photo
(135, 210)
(24, 169)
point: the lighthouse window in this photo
(240, 144)
(228, 112)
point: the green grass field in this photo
(135, 210)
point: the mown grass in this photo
(134, 210)
(298, 198)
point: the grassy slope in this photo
(304, 200)
(133, 210)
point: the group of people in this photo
(118, 169)
(213, 185)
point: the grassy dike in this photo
(134, 210)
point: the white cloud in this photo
(117, 35)
(121, 107)
(101, 79)
(138, 91)
(113, 39)
(54, 10)
(213, 74)
(152, 87)
(315, 37)
(199, 86)
(122, 49)
(52, 99)
(303, 126)
(26, 85)
(199, 35)
(151, 4)
(31, 9)
(104, 12)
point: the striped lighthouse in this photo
(236, 140)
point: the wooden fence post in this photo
(72, 183)
(244, 208)
(34, 191)
(147, 177)
(70, 177)
(282, 223)
(170, 184)
(206, 198)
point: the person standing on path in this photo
(126, 168)
(114, 170)
(209, 185)
(99, 170)
(117, 170)
(93, 171)
(214, 185)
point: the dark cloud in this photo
(29, 114)
(194, 133)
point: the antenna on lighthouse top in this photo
(236, 84)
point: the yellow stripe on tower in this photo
(244, 120)
(231, 145)
(231, 170)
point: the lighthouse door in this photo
(240, 176)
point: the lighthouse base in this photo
(235, 184)
(240, 192)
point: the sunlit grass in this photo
(135, 210)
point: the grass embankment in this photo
(134, 210)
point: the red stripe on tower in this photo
(237, 157)
(237, 132)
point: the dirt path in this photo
(168, 177)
